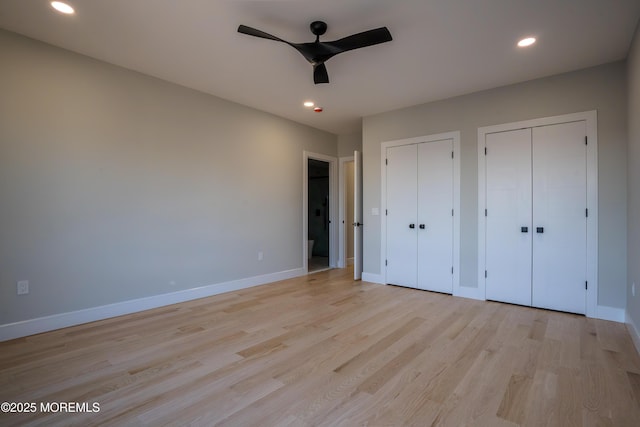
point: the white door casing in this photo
(387, 224)
(565, 262)
(333, 206)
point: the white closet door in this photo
(402, 207)
(508, 220)
(559, 220)
(435, 220)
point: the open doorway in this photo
(319, 214)
(319, 209)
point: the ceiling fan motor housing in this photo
(318, 28)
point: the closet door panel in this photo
(559, 220)
(402, 207)
(508, 201)
(435, 204)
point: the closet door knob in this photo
(524, 229)
(422, 227)
(412, 226)
(539, 229)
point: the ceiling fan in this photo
(318, 52)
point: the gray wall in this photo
(633, 180)
(115, 185)
(600, 88)
(348, 143)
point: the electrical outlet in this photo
(260, 256)
(23, 287)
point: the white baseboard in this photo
(610, 313)
(57, 321)
(373, 278)
(634, 332)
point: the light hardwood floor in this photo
(325, 350)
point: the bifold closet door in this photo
(559, 217)
(402, 209)
(508, 216)
(435, 216)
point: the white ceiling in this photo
(440, 48)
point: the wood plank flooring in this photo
(324, 350)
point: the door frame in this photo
(455, 136)
(591, 120)
(344, 221)
(333, 207)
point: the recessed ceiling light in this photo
(527, 42)
(308, 104)
(62, 7)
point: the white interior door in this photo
(435, 216)
(357, 215)
(508, 218)
(402, 206)
(559, 217)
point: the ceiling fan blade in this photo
(320, 74)
(364, 39)
(257, 33)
